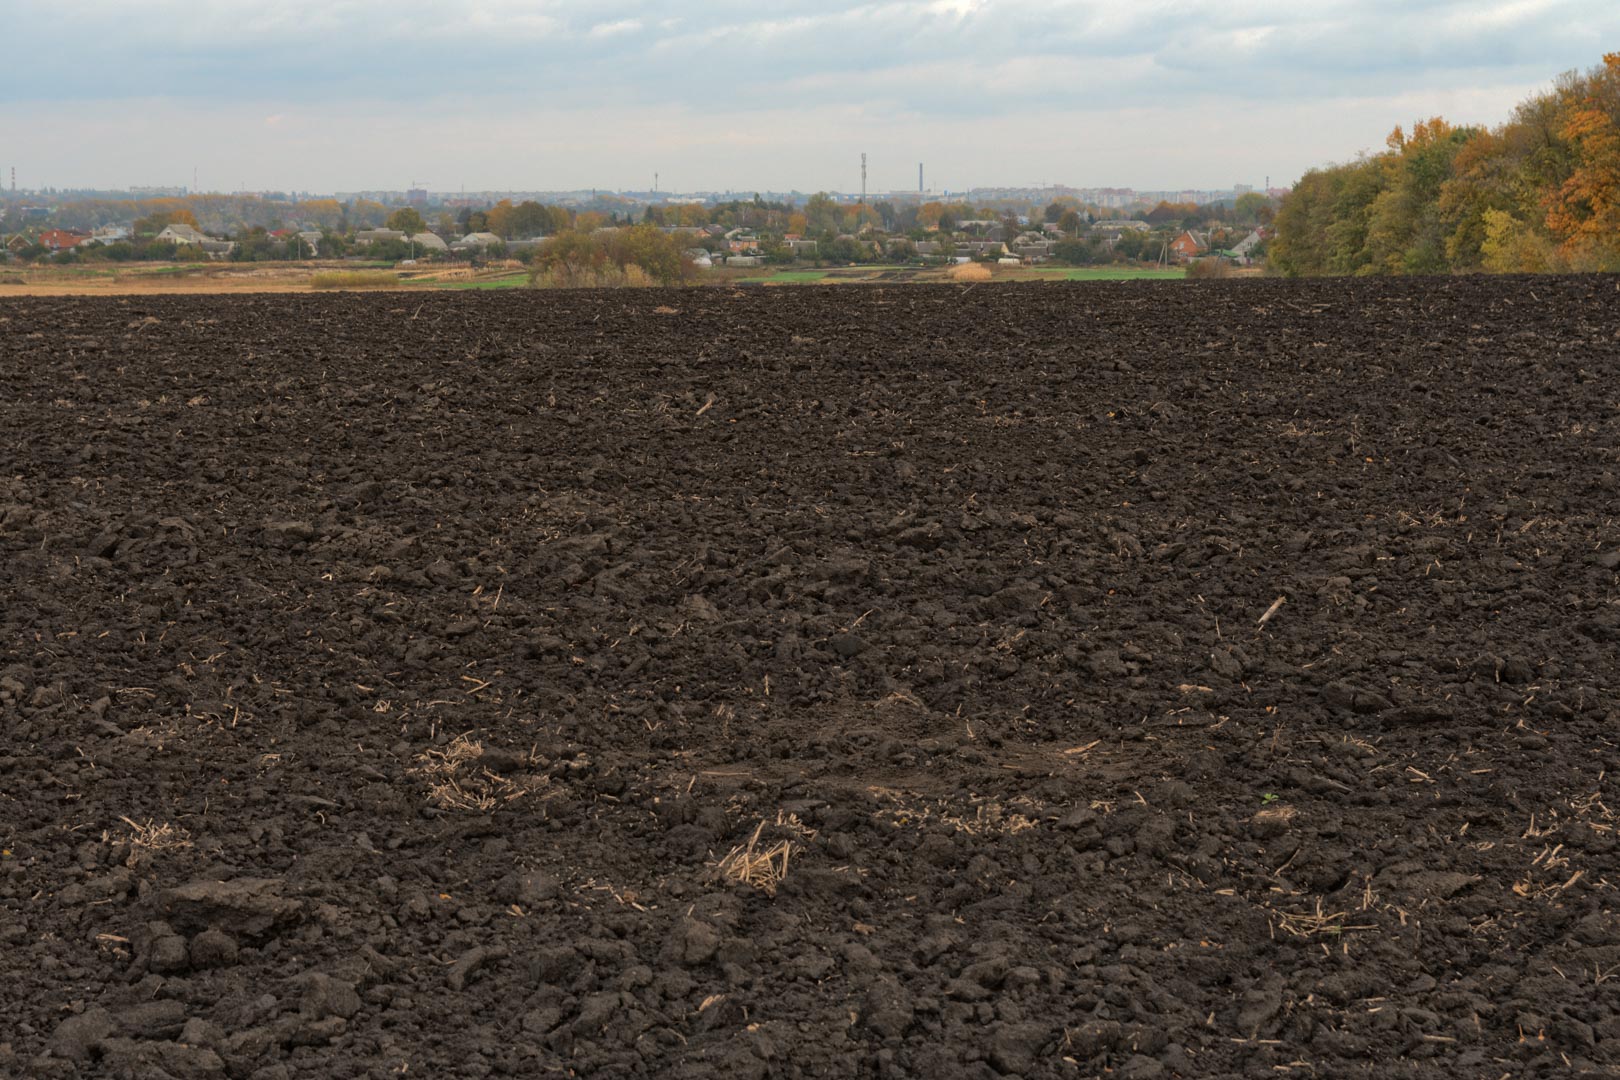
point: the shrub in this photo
(1074, 252)
(637, 257)
(569, 260)
(1209, 269)
(656, 253)
(606, 276)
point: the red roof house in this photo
(1187, 246)
(62, 239)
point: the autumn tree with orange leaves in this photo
(1583, 212)
(1538, 193)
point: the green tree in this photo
(323, 213)
(1248, 207)
(1405, 229)
(823, 212)
(529, 219)
(839, 250)
(571, 258)
(1511, 246)
(365, 214)
(407, 220)
(1074, 252)
(159, 220)
(655, 252)
(1133, 244)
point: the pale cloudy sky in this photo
(327, 95)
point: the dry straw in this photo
(455, 780)
(156, 836)
(969, 272)
(763, 868)
(354, 279)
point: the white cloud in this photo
(612, 29)
(774, 95)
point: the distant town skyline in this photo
(1104, 195)
(499, 95)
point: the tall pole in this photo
(863, 179)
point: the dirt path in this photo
(387, 683)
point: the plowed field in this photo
(1132, 681)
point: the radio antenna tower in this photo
(863, 179)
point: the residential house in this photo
(963, 250)
(1244, 248)
(311, 239)
(62, 239)
(1189, 245)
(180, 235)
(978, 249)
(109, 234)
(742, 240)
(800, 247)
(478, 241)
(1119, 225)
(293, 240)
(698, 257)
(1033, 246)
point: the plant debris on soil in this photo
(913, 681)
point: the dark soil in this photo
(383, 679)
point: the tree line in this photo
(1539, 193)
